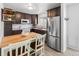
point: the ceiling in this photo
(38, 7)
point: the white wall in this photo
(73, 26)
(42, 19)
(1, 24)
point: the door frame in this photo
(63, 28)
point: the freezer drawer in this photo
(51, 42)
(58, 44)
(54, 42)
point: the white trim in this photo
(63, 28)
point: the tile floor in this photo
(51, 52)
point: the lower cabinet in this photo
(38, 31)
(7, 28)
(16, 32)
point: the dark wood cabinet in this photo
(7, 28)
(53, 12)
(7, 14)
(58, 11)
(16, 32)
(39, 31)
(17, 18)
(34, 19)
(26, 16)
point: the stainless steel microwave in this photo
(24, 21)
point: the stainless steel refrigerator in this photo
(54, 35)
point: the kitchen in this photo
(21, 25)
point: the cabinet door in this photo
(34, 19)
(51, 12)
(54, 12)
(58, 11)
(27, 16)
(7, 28)
(23, 15)
(17, 17)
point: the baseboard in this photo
(73, 47)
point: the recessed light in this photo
(29, 6)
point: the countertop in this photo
(16, 38)
(39, 28)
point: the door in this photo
(73, 26)
(50, 26)
(56, 23)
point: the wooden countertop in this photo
(16, 38)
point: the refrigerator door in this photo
(54, 26)
(50, 27)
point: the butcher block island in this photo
(16, 38)
(28, 44)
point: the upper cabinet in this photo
(15, 16)
(7, 14)
(34, 19)
(26, 16)
(53, 12)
